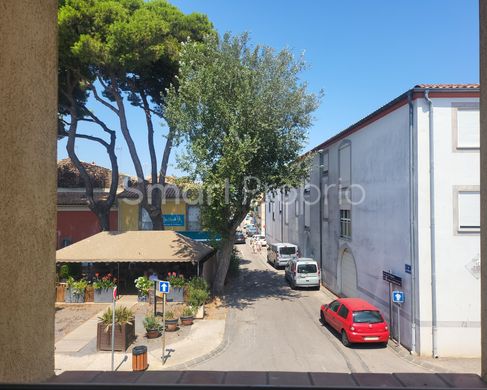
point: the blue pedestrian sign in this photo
(398, 296)
(163, 287)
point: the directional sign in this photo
(163, 287)
(391, 278)
(398, 296)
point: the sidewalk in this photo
(77, 350)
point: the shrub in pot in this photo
(124, 331)
(187, 316)
(75, 291)
(143, 285)
(197, 298)
(171, 321)
(152, 326)
(103, 287)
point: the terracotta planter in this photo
(89, 294)
(124, 336)
(172, 325)
(186, 320)
(103, 295)
(152, 334)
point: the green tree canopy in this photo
(244, 114)
(125, 50)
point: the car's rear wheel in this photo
(322, 318)
(345, 340)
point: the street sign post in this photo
(398, 296)
(113, 326)
(163, 287)
(391, 279)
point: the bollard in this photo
(139, 358)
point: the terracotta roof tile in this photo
(448, 86)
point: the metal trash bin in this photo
(139, 358)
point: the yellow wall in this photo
(128, 216)
(170, 207)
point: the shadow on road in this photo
(253, 284)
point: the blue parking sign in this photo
(163, 287)
(398, 296)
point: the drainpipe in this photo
(320, 172)
(434, 320)
(412, 211)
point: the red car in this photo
(356, 320)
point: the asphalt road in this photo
(273, 328)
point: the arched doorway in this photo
(348, 274)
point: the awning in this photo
(135, 246)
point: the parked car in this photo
(303, 272)
(356, 320)
(251, 230)
(259, 239)
(280, 253)
(239, 238)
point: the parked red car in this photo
(356, 320)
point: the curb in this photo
(216, 351)
(407, 356)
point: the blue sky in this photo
(361, 53)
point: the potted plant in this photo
(103, 288)
(171, 321)
(197, 298)
(75, 292)
(124, 331)
(176, 293)
(187, 316)
(143, 285)
(152, 326)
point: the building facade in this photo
(381, 198)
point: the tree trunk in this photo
(103, 219)
(223, 262)
(156, 221)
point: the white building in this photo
(382, 197)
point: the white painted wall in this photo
(458, 291)
(380, 162)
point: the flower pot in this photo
(200, 313)
(152, 333)
(89, 294)
(72, 297)
(176, 294)
(172, 325)
(142, 298)
(186, 320)
(103, 295)
(60, 292)
(124, 336)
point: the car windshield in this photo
(367, 316)
(306, 268)
(287, 250)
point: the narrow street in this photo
(273, 328)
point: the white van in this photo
(280, 253)
(303, 272)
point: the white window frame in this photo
(457, 190)
(455, 107)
